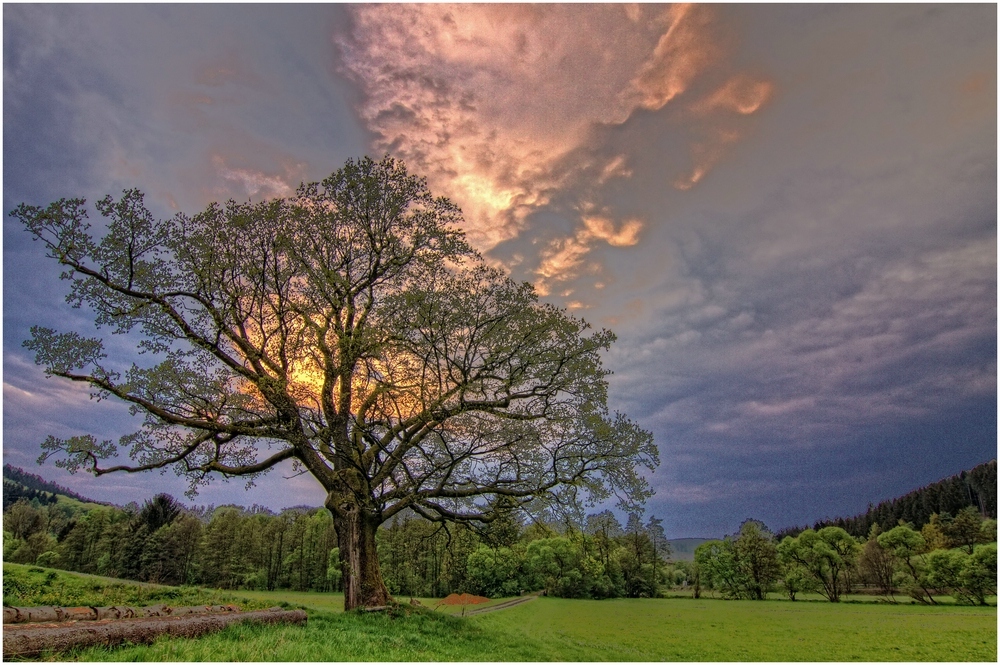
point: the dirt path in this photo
(502, 606)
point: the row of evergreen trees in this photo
(236, 548)
(976, 488)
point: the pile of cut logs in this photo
(32, 631)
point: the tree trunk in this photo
(362, 576)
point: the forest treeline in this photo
(231, 547)
(976, 487)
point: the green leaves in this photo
(971, 578)
(828, 555)
(62, 353)
(744, 566)
(902, 541)
(77, 451)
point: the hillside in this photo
(682, 549)
(18, 484)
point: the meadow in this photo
(548, 629)
(545, 629)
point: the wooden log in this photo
(25, 641)
(115, 612)
(79, 614)
(155, 611)
(32, 614)
(49, 614)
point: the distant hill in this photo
(976, 487)
(682, 549)
(18, 484)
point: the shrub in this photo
(47, 559)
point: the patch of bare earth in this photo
(464, 599)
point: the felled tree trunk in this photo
(49, 614)
(31, 640)
(364, 587)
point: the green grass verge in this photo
(307, 600)
(30, 586)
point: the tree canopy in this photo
(745, 565)
(350, 329)
(828, 555)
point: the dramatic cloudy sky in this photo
(788, 214)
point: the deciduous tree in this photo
(350, 329)
(906, 544)
(744, 566)
(965, 530)
(877, 564)
(828, 555)
(970, 578)
(493, 572)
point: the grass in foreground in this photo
(409, 635)
(615, 630)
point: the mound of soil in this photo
(464, 599)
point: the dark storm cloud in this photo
(814, 326)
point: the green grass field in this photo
(717, 630)
(680, 629)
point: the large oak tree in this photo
(350, 329)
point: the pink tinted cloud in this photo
(493, 104)
(563, 258)
(682, 53)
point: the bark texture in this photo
(362, 576)
(48, 613)
(31, 640)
